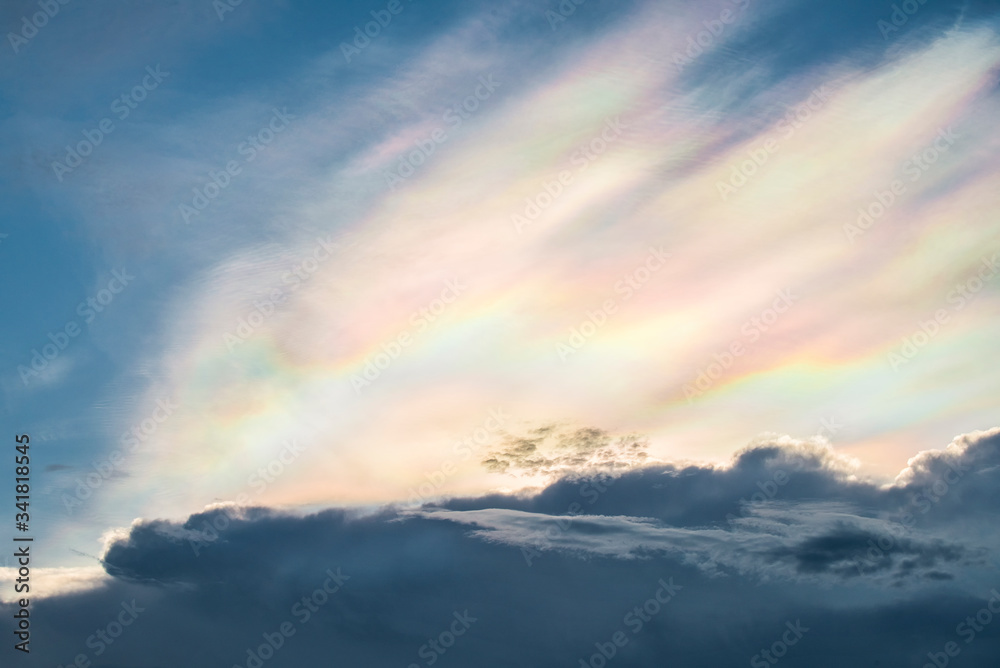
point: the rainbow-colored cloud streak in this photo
(506, 338)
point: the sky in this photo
(497, 307)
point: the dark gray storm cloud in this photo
(783, 551)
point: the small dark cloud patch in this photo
(552, 451)
(848, 547)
